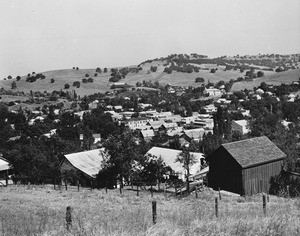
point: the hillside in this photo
(42, 211)
(180, 70)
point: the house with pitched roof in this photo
(85, 164)
(245, 167)
(170, 155)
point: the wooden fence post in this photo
(288, 190)
(268, 198)
(216, 207)
(196, 193)
(6, 179)
(164, 188)
(78, 185)
(137, 189)
(120, 189)
(220, 194)
(154, 211)
(264, 205)
(69, 217)
(151, 190)
(66, 184)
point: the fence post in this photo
(78, 185)
(216, 207)
(264, 205)
(268, 198)
(151, 190)
(288, 190)
(69, 217)
(6, 178)
(120, 189)
(106, 186)
(66, 184)
(220, 194)
(154, 211)
(175, 190)
(196, 193)
(137, 189)
(180, 191)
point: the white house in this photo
(213, 92)
(241, 126)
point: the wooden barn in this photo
(245, 167)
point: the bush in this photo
(77, 68)
(67, 86)
(90, 80)
(199, 80)
(9, 77)
(84, 80)
(95, 75)
(98, 70)
(52, 81)
(87, 75)
(18, 78)
(213, 70)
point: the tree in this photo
(67, 86)
(90, 80)
(187, 160)
(13, 85)
(18, 78)
(9, 77)
(88, 138)
(52, 81)
(86, 75)
(123, 150)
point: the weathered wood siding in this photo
(257, 179)
(224, 172)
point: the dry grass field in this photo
(101, 82)
(42, 211)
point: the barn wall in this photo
(257, 179)
(224, 172)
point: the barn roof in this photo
(88, 162)
(254, 151)
(4, 165)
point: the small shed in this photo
(245, 167)
(4, 171)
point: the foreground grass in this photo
(42, 211)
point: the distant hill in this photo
(175, 69)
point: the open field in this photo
(42, 211)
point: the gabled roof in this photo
(88, 162)
(148, 133)
(4, 165)
(254, 151)
(194, 133)
(170, 155)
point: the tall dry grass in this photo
(42, 211)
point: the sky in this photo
(42, 35)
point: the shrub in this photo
(84, 80)
(52, 81)
(98, 70)
(87, 75)
(67, 86)
(9, 77)
(13, 85)
(90, 80)
(77, 68)
(199, 80)
(95, 75)
(213, 70)
(18, 78)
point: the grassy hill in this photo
(275, 79)
(42, 211)
(101, 81)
